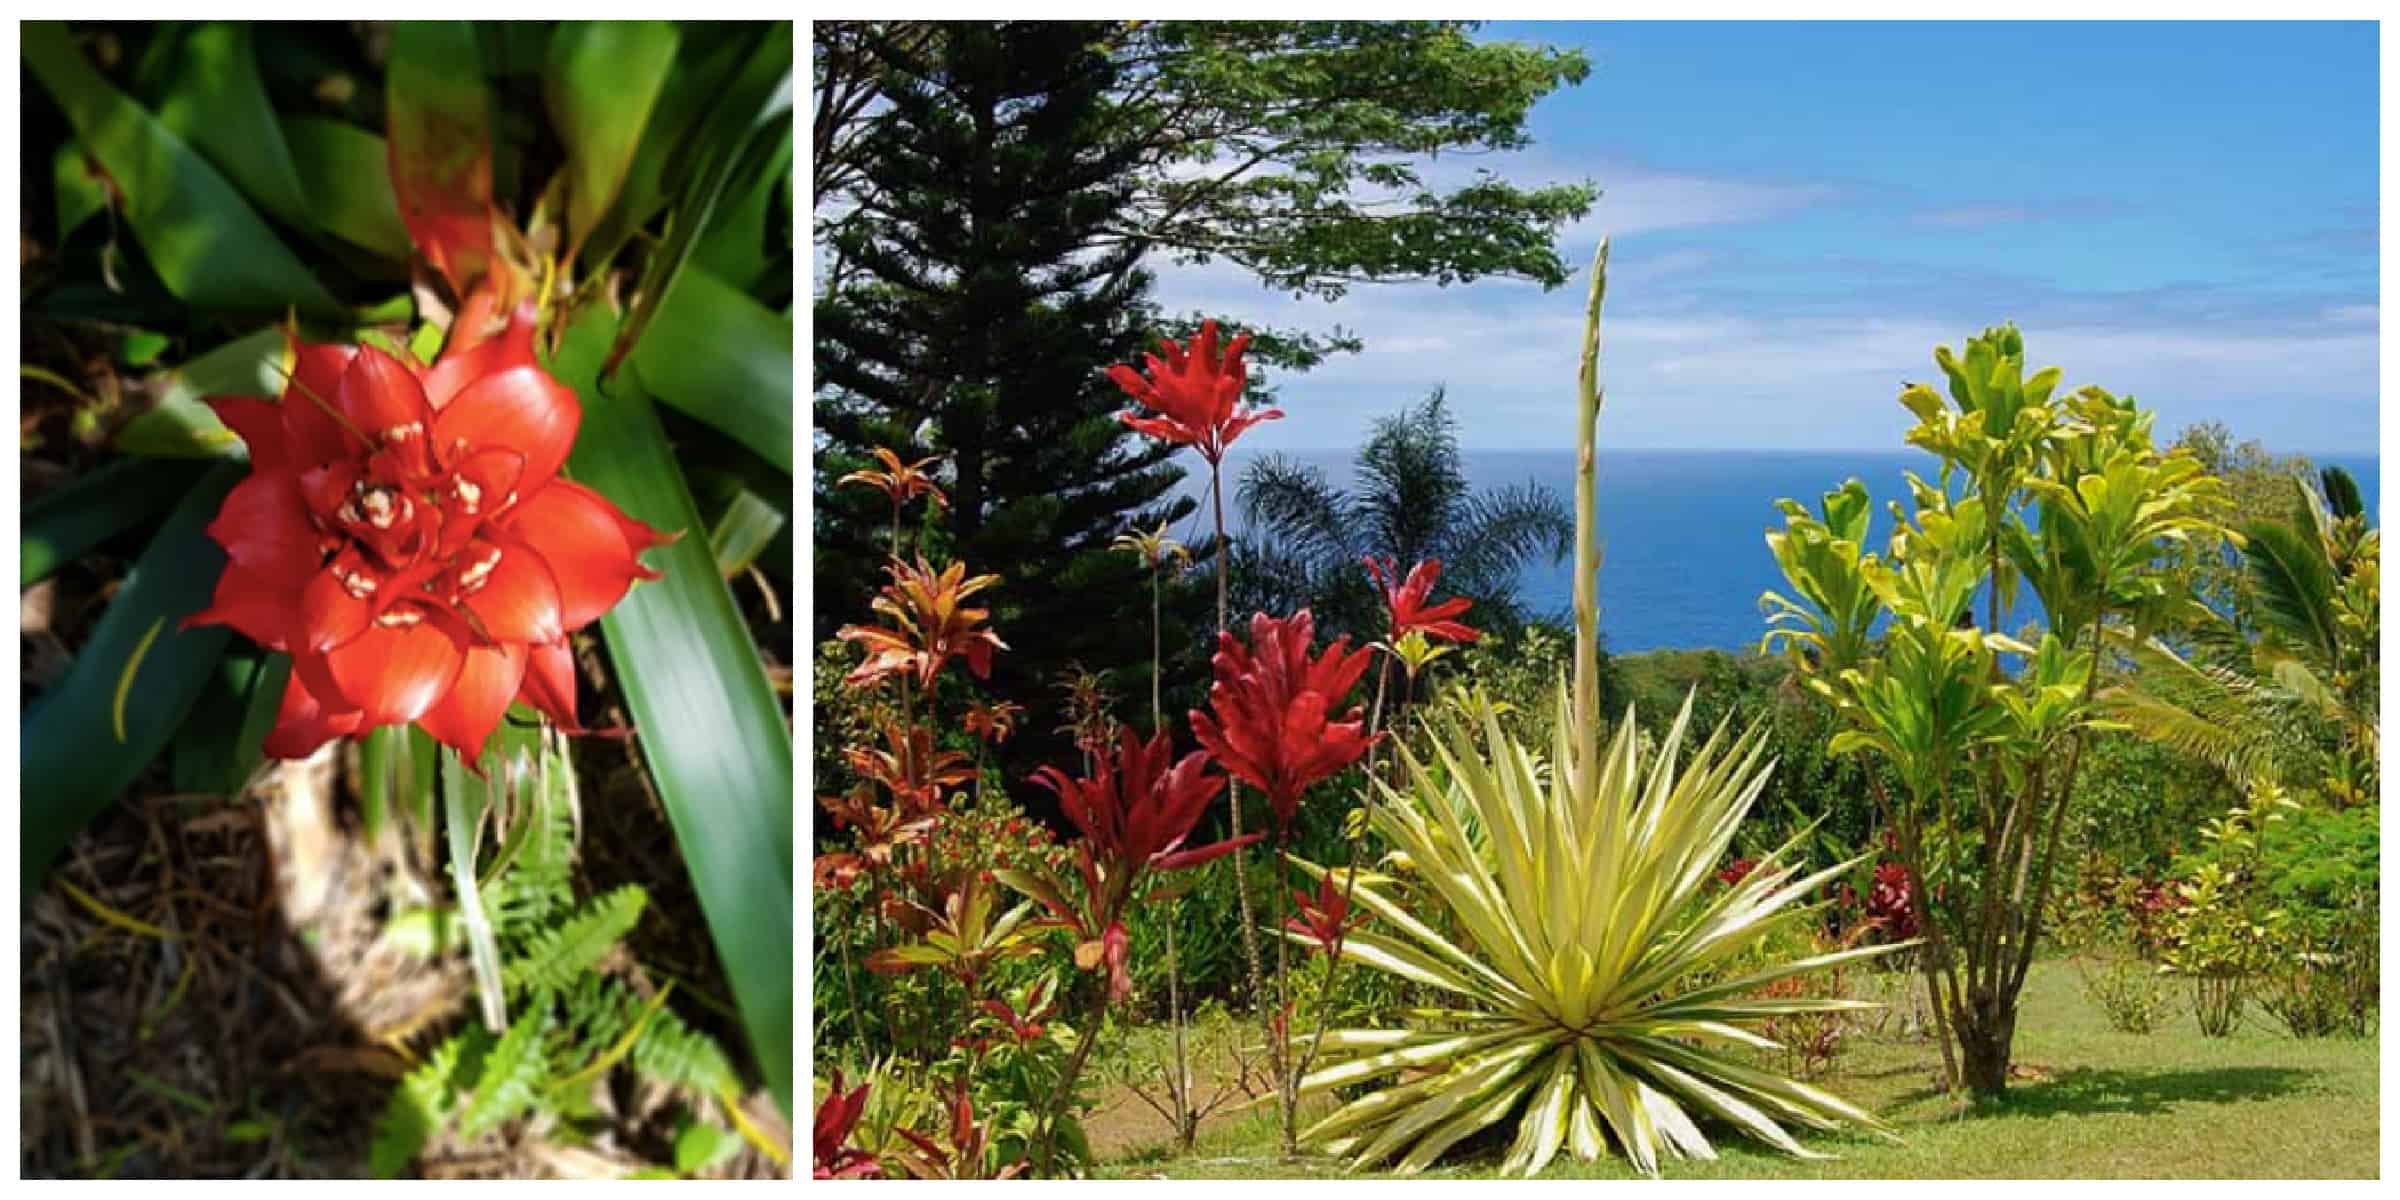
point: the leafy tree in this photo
(2067, 498)
(1410, 500)
(1290, 148)
(977, 327)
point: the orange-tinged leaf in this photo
(438, 116)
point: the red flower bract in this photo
(1272, 701)
(1406, 601)
(404, 535)
(1196, 392)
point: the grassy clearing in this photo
(2103, 1105)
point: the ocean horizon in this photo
(1683, 552)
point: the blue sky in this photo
(1800, 212)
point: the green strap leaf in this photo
(74, 763)
(601, 82)
(714, 735)
(207, 245)
(725, 359)
(346, 171)
(756, 109)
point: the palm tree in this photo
(2268, 706)
(1409, 500)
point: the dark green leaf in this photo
(218, 747)
(76, 761)
(60, 525)
(756, 108)
(714, 736)
(726, 359)
(81, 191)
(206, 244)
(216, 103)
(734, 247)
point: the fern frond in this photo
(417, 1110)
(511, 1073)
(675, 1054)
(556, 958)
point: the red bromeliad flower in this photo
(1134, 813)
(405, 536)
(1736, 871)
(1272, 702)
(1406, 601)
(1196, 392)
(836, 1117)
(1325, 918)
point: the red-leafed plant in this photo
(837, 1116)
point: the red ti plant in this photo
(404, 535)
(1197, 393)
(900, 483)
(966, 1154)
(1133, 815)
(1273, 725)
(930, 624)
(836, 1117)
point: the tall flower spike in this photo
(1405, 600)
(404, 536)
(1196, 392)
(1272, 702)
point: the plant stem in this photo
(1180, 1088)
(1233, 787)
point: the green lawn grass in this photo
(2109, 1105)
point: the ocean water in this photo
(1682, 532)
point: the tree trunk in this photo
(1983, 1047)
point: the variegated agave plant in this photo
(1582, 930)
(1597, 980)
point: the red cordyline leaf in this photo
(834, 1157)
(1324, 918)
(404, 536)
(1271, 726)
(1196, 392)
(1406, 601)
